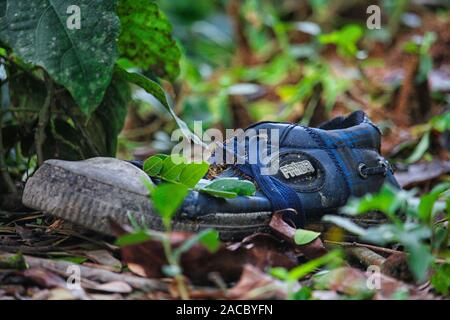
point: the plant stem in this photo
(44, 114)
(182, 287)
(178, 278)
(6, 177)
(12, 110)
(80, 128)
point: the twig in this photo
(42, 250)
(375, 248)
(93, 273)
(363, 245)
(366, 256)
(44, 114)
(21, 67)
(12, 110)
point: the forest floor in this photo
(43, 257)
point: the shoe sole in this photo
(91, 203)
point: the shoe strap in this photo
(280, 195)
(381, 169)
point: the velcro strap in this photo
(279, 194)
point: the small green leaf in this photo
(232, 185)
(137, 237)
(345, 39)
(420, 150)
(387, 200)
(419, 259)
(441, 279)
(172, 167)
(146, 38)
(441, 122)
(153, 166)
(167, 198)
(218, 193)
(280, 273)
(209, 238)
(305, 293)
(426, 205)
(427, 201)
(193, 173)
(302, 270)
(303, 236)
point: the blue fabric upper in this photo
(337, 148)
(336, 151)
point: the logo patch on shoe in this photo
(300, 171)
(297, 169)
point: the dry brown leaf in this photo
(255, 284)
(45, 278)
(422, 172)
(114, 287)
(311, 250)
(147, 259)
(105, 258)
(352, 282)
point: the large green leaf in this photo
(155, 89)
(2, 15)
(146, 39)
(81, 60)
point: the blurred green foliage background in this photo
(305, 61)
